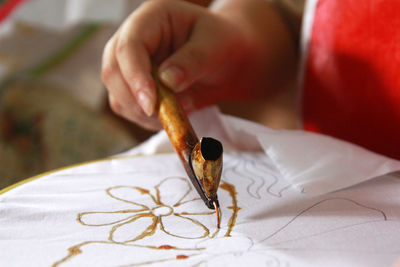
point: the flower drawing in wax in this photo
(168, 211)
(150, 211)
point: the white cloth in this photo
(315, 163)
(61, 14)
(136, 210)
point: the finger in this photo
(124, 104)
(135, 114)
(197, 97)
(139, 38)
(121, 99)
(202, 54)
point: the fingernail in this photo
(172, 77)
(146, 103)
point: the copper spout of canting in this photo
(206, 162)
(218, 212)
(202, 159)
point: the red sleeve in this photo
(7, 8)
(352, 74)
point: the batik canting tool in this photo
(202, 159)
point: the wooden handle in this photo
(201, 160)
(175, 122)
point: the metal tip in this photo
(206, 162)
(217, 211)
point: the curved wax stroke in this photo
(142, 211)
(232, 192)
(77, 249)
(273, 241)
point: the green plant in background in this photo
(55, 59)
(66, 51)
(43, 127)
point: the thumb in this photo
(197, 57)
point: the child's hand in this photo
(204, 57)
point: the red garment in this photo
(352, 78)
(8, 7)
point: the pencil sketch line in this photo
(234, 170)
(249, 170)
(325, 232)
(257, 174)
(256, 171)
(267, 169)
(267, 176)
(263, 174)
(284, 189)
(316, 204)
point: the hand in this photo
(204, 55)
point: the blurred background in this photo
(53, 106)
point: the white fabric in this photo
(315, 163)
(61, 14)
(101, 214)
(136, 210)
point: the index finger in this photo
(138, 39)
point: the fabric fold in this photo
(315, 163)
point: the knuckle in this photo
(115, 106)
(122, 46)
(109, 45)
(106, 73)
(106, 65)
